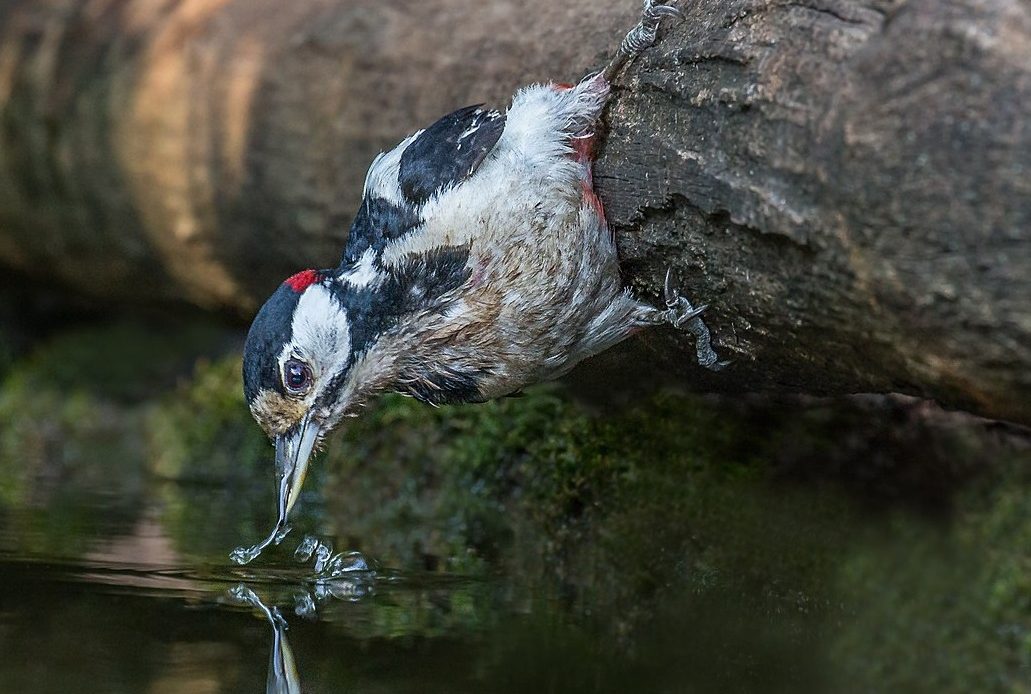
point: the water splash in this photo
(304, 605)
(286, 467)
(344, 576)
(327, 564)
(245, 555)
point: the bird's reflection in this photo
(282, 668)
(338, 577)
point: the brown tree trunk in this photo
(846, 182)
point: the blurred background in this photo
(640, 526)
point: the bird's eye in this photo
(297, 377)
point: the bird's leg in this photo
(678, 309)
(640, 37)
(681, 313)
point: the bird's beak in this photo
(293, 453)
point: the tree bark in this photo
(846, 182)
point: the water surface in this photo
(131, 612)
(680, 544)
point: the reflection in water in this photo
(282, 669)
(329, 583)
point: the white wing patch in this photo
(530, 164)
(382, 178)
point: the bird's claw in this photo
(641, 36)
(654, 11)
(687, 313)
(644, 34)
(678, 309)
(680, 312)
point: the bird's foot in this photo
(681, 313)
(678, 309)
(642, 36)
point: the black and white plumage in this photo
(480, 262)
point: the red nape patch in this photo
(583, 148)
(563, 86)
(302, 280)
(592, 199)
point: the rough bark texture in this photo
(846, 182)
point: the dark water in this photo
(115, 606)
(688, 574)
(131, 613)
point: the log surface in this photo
(846, 182)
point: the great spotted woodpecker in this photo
(479, 263)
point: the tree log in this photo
(846, 182)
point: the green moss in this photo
(837, 536)
(77, 414)
(202, 430)
(122, 361)
(59, 450)
(42, 427)
(945, 609)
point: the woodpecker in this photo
(480, 262)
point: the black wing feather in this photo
(448, 152)
(378, 222)
(444, 154)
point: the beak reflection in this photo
(283, 676)
(282, 668)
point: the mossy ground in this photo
(854, 546)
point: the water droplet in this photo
(327, 564)
(322, 557)
(281, 534)
(304, 605)
(245, 555)
(306, 548)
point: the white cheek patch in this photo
(321, 336)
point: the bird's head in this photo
(297, 358)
